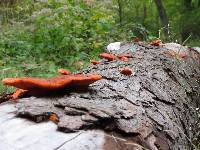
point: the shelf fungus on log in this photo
(54, 118)
(136, 39)
(157, 42)
(107, 56)
(124, 57)
(95, 62)
(177, 55)
(126, 71)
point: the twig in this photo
(67, 141)
(114, 138)
(184, 43)
(124, 140)
(135, 144)
(186, 39)
(161, 29)
(120, 139)
(116, 141)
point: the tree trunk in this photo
(154, 107)
(189, 22)
(144, 12)
(188, 4)
(163, 17)
(120, 11)
(7, 2)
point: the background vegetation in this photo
(39, 36)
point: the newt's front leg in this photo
(18, 93)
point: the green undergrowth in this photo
(65, 34)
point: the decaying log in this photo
(155, 106)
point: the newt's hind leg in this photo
(64, 71)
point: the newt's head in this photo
(11, 81)
(25, 83)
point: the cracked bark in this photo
(155, 106)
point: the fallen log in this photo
(155, 106)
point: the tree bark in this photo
(155, 106)
(163, 17)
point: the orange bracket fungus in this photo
(124, 57)
(178, 55)
(156, 42)
(126, 71)
(94, 62)
(54, 118)
(109, 57)
(136, 39)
